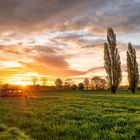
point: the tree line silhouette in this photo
(96, 83)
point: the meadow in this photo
(65, 115)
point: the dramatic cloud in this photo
(64, 37)
(95, 15)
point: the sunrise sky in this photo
(64, 38)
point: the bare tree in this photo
(112, 61)
(98, 83)
(34, 80)
(68, 84)
(86, 83)
(58, 83)
(44, 81)
(132, 68)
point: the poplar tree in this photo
(112, 61)
(132, 68)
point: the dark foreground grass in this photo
(71, 116)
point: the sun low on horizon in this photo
(62, 38)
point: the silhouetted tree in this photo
(68, 84)
(103, 84)
(34, 80)
(98, 83)
(112, 61)
(86, 83)
(58, 83)
(74, 87)
(44, 81)
(132, 68)
(81, 86)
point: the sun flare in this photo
(21, 83)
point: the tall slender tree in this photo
(112, 61)
(132, 68)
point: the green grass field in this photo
(71, 116)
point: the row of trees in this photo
(35, 80)
(112, 63)
(96, 83)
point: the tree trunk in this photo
(113, 89)
(133, 89)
